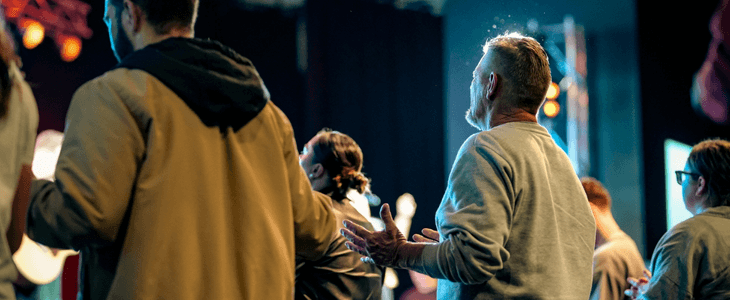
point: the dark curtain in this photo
(266, 36)
(667, 66)
(376, 74)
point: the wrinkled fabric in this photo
(614, 262)
(17, 139)
(514, 222)
(340, 274)
(692, 260)
(164, 206)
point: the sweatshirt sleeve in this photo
(475, 218)
(95, 174)
(314, 220)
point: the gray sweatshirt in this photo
(514, 221)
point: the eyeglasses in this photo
(680, 173)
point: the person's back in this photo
(340, 274)
(334, 162)
(548, 247)
(613, 262)
(18, 125)
(616, 257)
(183, 184)
(514, 222)
(694, 258)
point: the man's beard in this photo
(476, 115)
(122, 45)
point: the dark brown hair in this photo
(341, 158)
(711, 159)
(164, 15)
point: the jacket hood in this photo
(222, 87)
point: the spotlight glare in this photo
(551, 108)
(553, 91)
(34, 34)
(70, 47)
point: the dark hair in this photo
(597, 194)
(341, 158)
(711, 159)
(164, 15)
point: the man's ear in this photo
(317, 170)
(702, 187)
(492, 85)
(132, 16)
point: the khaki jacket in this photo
(165, 206)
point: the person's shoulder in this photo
(686, 232)
(611, 251)
(115, 79)
(691, 226)
(618, 249)
(482, 144)
(702, 226)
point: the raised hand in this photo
(379, 247)
(429, 236)
(638, 286)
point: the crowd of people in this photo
(186, 183)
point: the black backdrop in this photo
(673, 42)
(375, 73)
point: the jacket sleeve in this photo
(476, 217)
(314, 220)
(95, 174)
(672, 273)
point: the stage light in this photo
(70, 47)
(553, 91)
(551, 108)
(34, 33)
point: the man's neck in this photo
(504, 116)
(606, 226)
(148, 36)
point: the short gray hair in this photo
(524, 63)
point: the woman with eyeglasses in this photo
(692, 260)
(333, 163)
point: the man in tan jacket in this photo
(178, 178)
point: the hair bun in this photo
(360, 182)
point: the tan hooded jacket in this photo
(179, 179)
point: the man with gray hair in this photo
(514, 222)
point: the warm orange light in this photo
(34, 33)
(551, 108)
(12, 12)
(70, 47)
(553, 91)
